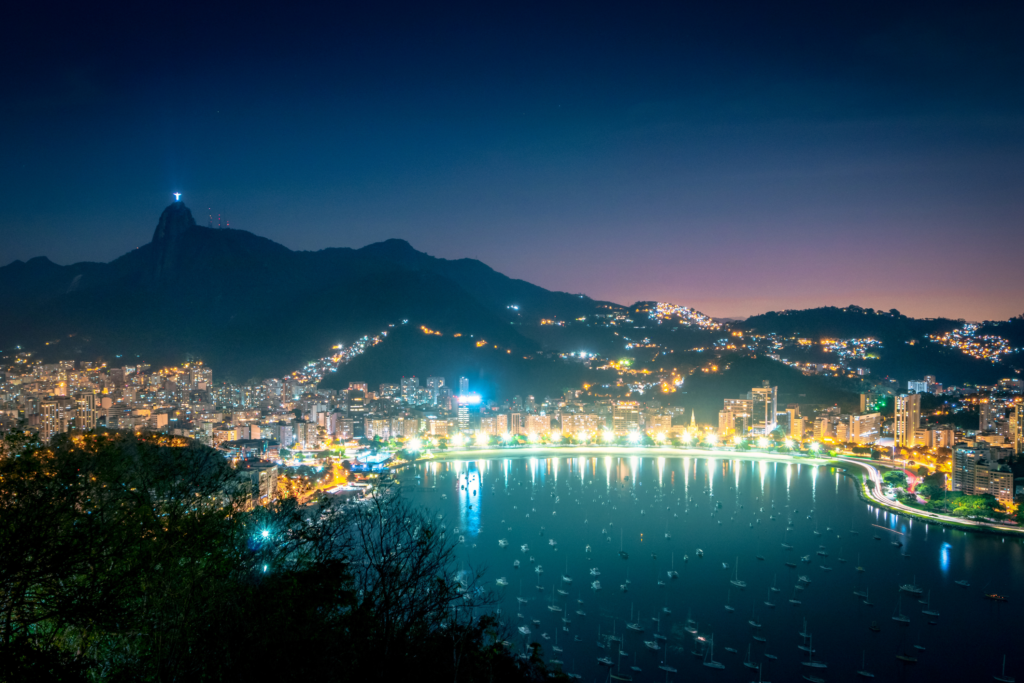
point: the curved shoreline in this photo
(871, 496)
(874, 497)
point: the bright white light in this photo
(556, 437)
(634, 437)
(532, 438)
(737, 440)
(660, 437)
(482, 439)
(415, 444)
(712, 439)
(762, 442)
(608, 436)
(582, 436)
(458, 440)
(469, 399)
(815, 447)
(687, 437)
(177, 196)
(265, 533)
(789, 443)
(506, 437)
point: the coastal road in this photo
(875, 493)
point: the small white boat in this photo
(502, 581)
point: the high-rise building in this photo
(974, 473)
(444, 398)
(582, 424)
(908, 419)
(538, 424)
(515, 423)
(625, 417)
(494, 425)
(85, 412)
(656, 423)
(764, 406)
(864, 428)
(434, 384)
(200, 377)
(1017, 427)
(410, 385)
(462, 416)
(918, 386)
(463, 386)
(797, 427)
(55, 417)
(988, 413)
(359, 386)
(735, 417)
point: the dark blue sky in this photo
(736, 157)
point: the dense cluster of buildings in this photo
(281, 416)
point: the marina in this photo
(628, 519)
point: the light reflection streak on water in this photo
(763, 471)
(736, 468)
(686, 481)
(814, 485)
(469, 514)
(789, 478)
(661, 472)
(505, 465)
(634, 466)
(709, 473)
(607, 472)
(533, 471)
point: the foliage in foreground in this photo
(129, 559)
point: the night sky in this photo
(733, 157)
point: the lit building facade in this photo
(908, 419)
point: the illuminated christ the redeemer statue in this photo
(177, 196)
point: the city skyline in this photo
(736, 162)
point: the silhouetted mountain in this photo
(252, 307)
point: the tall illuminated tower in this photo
(908, 419)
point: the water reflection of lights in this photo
(634, 466)
(467, 487)
(607, 471)
(661, 471)
(736, 469)
(944, 557)
(710, 470)
(789, 479)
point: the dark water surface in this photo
(724, 507)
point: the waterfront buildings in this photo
(974, 473)
(908, 419)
